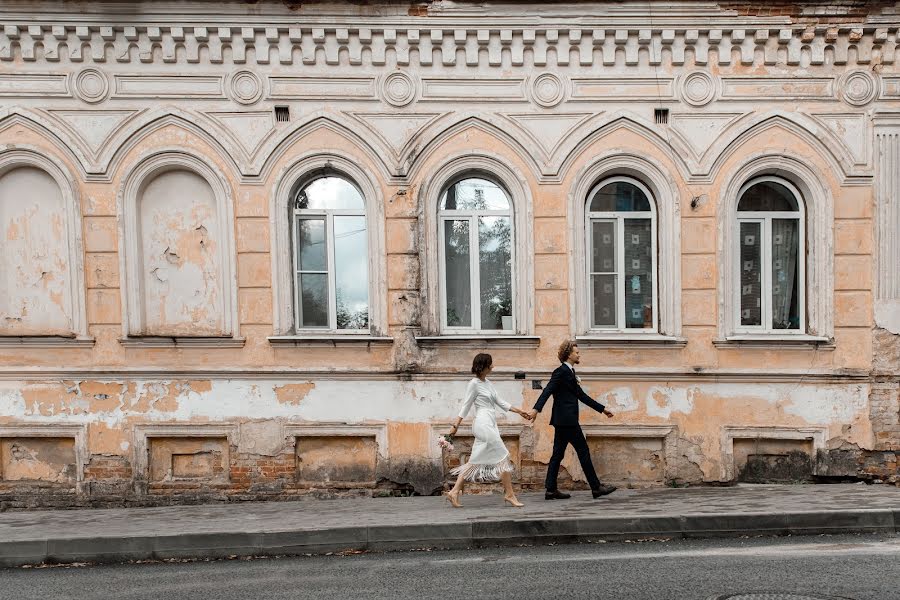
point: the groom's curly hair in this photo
(565, 350)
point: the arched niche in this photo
(177, 250)
(41, 274)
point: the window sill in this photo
(333, 340)
(50, 341)
(479, 341)
(627, 340)
(181, 342)
(776, 342)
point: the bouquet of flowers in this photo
(445, 442)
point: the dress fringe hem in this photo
(484, 473)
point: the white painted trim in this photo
(454, 167)
(143, 432)
(330, 339)
(326, 215)
(21, 155)
(619, 217)
(50, 341)
(145, 168)
(182, 342)
(281, 224)
(887, 221)
(764, 219)
(665, 194)
(53, 430)
(819, 222)
(818, 436)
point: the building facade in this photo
(250, 249)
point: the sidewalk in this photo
(316, 526)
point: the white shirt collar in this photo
(570, 365)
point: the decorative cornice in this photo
(45, 374)
(382, 43)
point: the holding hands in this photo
(528, 416)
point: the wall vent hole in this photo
(282, 114)
(661, 116)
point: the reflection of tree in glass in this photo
(347, 318)
(495, 265)
(314, 300)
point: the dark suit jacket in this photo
(566, 394)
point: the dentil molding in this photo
(461, 42)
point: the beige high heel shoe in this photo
(514, 501)
(453, 499)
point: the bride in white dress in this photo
(489, 460)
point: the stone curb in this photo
(511, 532)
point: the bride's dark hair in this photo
(480, 363)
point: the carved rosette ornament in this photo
(698, 88)
(91, 85)
(548, 89)
(859, 88)
(246, 87)
(399, 89)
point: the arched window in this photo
(621, 267)
(331, 284)
(770, 257)
(476, 242)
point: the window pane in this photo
(314, 300)
(311, 255)
(768, 196)
(458, 284)
(785, 274)
(619, 196)
(329, 192)
(603, 288)
(351, 272)
(603, 240)
(638, 274)
(495, 272)
(751, 274)
(474, 194)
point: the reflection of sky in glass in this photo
(474, 194)
(333, 193)
(351, 272)
(311, 242)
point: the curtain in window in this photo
(785, 284)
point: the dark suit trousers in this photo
(564, 436)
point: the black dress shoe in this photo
(556, 495)
(603, 490)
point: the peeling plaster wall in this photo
(180, 256)
(34, 272)
(413, 412)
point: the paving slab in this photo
(315, 526)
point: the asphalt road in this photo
(862, 567)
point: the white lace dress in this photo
(489, 458)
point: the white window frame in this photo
(619, 217)
(765, 218)
(299, 214)
(474, 255)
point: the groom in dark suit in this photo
(566, 390)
